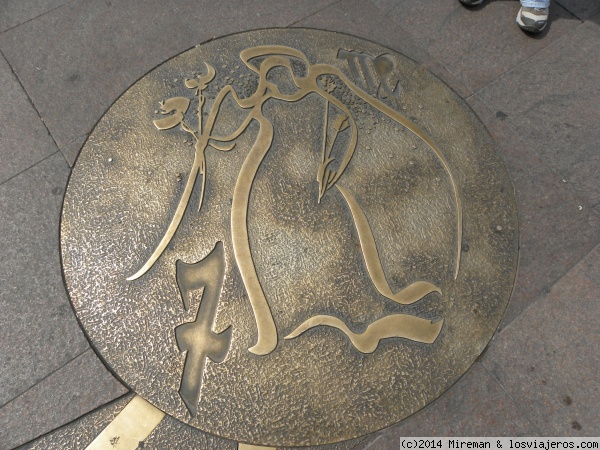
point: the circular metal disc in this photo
(289, 237)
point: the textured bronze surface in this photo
(289, 237)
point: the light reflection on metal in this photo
(242, 446)
(197, 338)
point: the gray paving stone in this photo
(80, 433)
(547, 359)
(363, 19)
(476, 45)
(77, 59)
(75, 389)
(24, 140)
(15, 12)
(38, 330)
(475, 406)
(582, 9)
(589, 267)
(553, 103)
(555, 234)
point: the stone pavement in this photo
(64, 62)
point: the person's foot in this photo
(532, 20)
(471, 2)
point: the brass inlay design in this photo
(410, 294)
(197, 338)
(318, 79)
(395, 325)
(202, 241)
(131, 426)
(179, 106)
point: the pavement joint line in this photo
(578, 261)
(547, 165)
(456, 77)
(544, 291)
(314, 13)
(84, 136)
(559, 3)
(37, 17)
(370, 444)
(65, 159)
(509, 71)
(29, 98)
(516, 405)
(31, 167)
(427, 64)
(96, 409)
(87, 133)
(362, 441)
(46, 377)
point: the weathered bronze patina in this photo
(289, 237)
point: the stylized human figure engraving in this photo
(197, 337)
(317, 79)
(359, 64)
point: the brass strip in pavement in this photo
(131, 426)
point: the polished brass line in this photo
(392, 326)
(410, 294)
(322, 69)
(130, 427)
(176, 220)
(325, 125)
(198, 168)
(266, 331)
(242, 446)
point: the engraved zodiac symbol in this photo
(360, 68)
(197, 337)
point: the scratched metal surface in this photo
(316, 388)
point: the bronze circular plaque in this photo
(289, 237)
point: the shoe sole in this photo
(530, 28)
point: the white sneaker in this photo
(533, 20)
